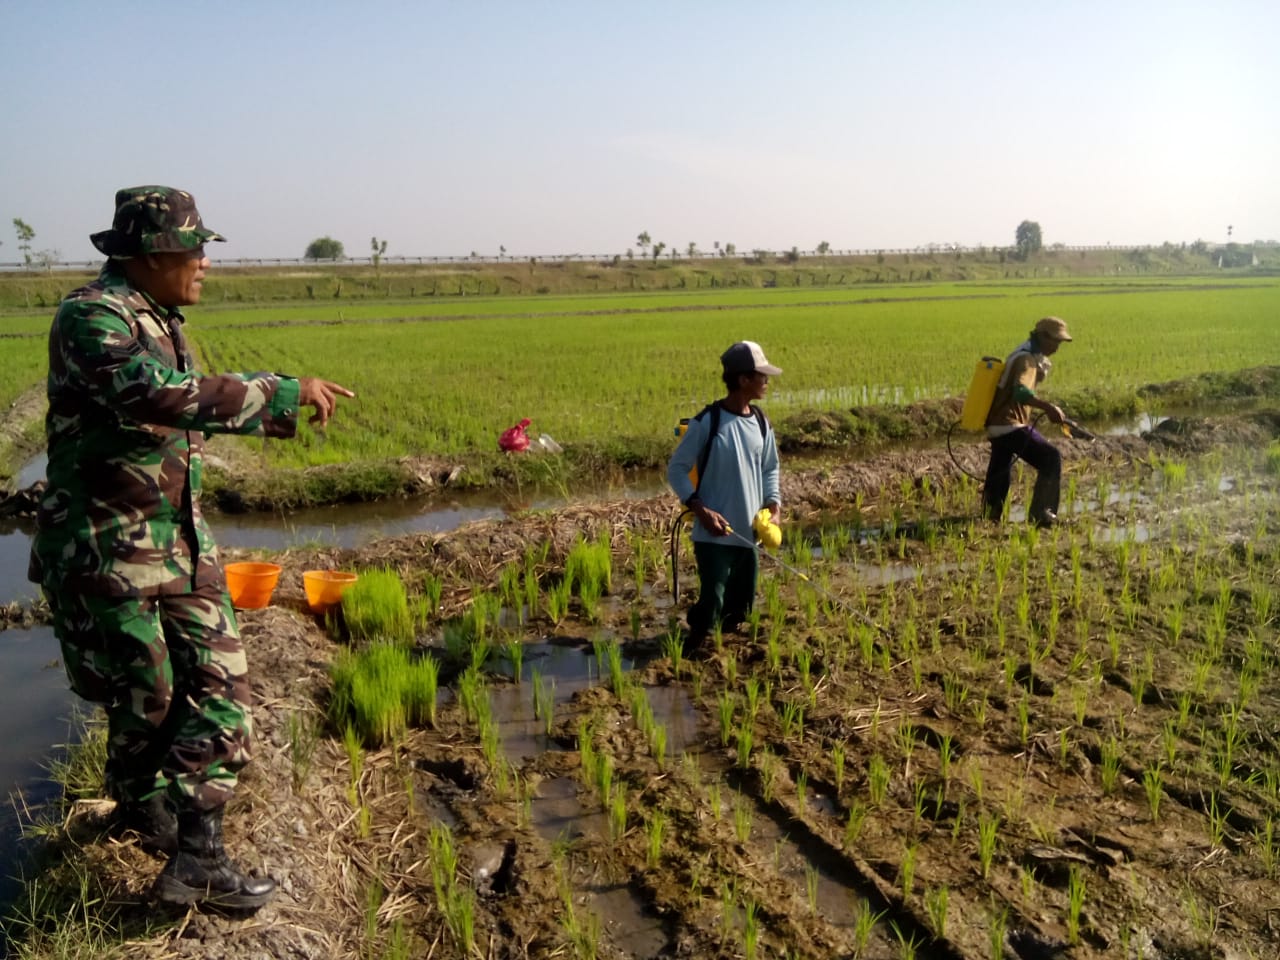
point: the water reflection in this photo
(34, 715)
(354, 524)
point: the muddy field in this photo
(946, 739)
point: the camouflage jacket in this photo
(126, 428)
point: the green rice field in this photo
(444, 376)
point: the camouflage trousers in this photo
(171, 674)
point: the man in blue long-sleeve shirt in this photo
(737, 479)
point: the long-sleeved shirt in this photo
(126, 429)
(741, 474)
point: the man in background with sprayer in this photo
(127, 562)
(1011, 433)
(731, 446)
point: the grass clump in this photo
(1273, 457)
(376, 607)
(378, 692)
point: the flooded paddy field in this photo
(946, 739)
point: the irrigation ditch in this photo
(953, 739)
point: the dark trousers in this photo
(727, 581)
(1035, 450)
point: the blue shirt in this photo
(741, 474)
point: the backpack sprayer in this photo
(977, 406)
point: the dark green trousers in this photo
(727, 581)
(171, 674)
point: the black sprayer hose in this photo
(675, 553)
(952, 454)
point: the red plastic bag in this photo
(514, 439)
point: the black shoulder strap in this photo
(714, 409)
(705, 455)
(763, 422)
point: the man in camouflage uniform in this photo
(122, 549)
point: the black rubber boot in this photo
(201, 872)
(152, 821)
(1043, 511)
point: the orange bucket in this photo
(251, 584)
(325, 588)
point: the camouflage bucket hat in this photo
(153, 220)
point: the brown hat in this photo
(153, 220)
(1054, 328)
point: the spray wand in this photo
(771, 534)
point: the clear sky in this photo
(566, 127)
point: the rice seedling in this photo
(907, 945)
(673, 650)
(997, 921)
(376, 607)
(1217, 821)
(907, 870)
(372, 903)
(837, 765)
(920, 797)
(811, 878)
(618, 814)
(1204, 920)
(988, 831)
(1079, 702)
(753, 698)
(378, 691)
(725, 706)
(557, 601)
(946, 754)
(589, 593)
(658, 744)
(877, 779)
(515, 653)
(432, 592)
(1153, 784)
(750, 929)
(1109, 768)
(544, 700)
(864, 922)
(768, 774)
(609, 657)
(1075, 902)
(304, 738)
(655, 830)
(482, 616)
(455, 901)
(854, 822)
(792, 720)
(1264, 838)
(935, 903)
(744, 746)
(509, 592)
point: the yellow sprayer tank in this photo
(681, 429)
(982, 390)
